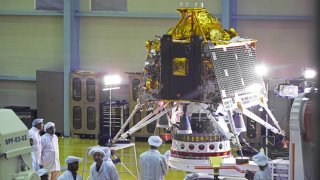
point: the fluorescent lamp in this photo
(309, 73)
(112, 80)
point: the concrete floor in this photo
(78, 147)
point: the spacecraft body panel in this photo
(199, 146)
(180, 69)
(228, 166)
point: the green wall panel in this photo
(276, 7)
(117, 45)
(18, 93)
(28, 43)
(16, 5)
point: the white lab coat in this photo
(35, 164)
(107, 157)
(50, 152)
(68, 176)
(153, 165)
(107, 171)
(36, 147)
(263, 175)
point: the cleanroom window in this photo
(76, 89)
(91, 89)
(108, 5)
(91, 118)
(49, 5)
(77, 117)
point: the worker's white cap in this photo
(48, 125)
(155, 141)
(96, 150)
(42, 172)
(260, 159)
(72, 159)
(107, 152)
(37, 121)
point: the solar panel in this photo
(234, 67)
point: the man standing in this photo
(72, 172)
(50, 151)
(100, 169)
(264, 172)
(34, 133)
(153, 164)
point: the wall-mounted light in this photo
(309, 73)
(112, 80)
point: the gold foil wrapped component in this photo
(180, 66)
(233, 32)
(148, 45)
(225, 36)
(197, 21)
(254, 44)
(151, 84)
(156, 45)
(229, 34)
(215, 35)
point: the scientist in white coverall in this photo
(34, 133)
(50, 151)
(102, 169)
(264, 172)
(72, 172)
(153, 164)
(107, 154)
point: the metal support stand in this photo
(267, 136)
(123, 146)
(233, 129)
(126, 123)
(110, 88)
(149, 119)
(110, 117)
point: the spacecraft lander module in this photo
(204, 76)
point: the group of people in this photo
(45, 158)
(153, 165)
(45, 149)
